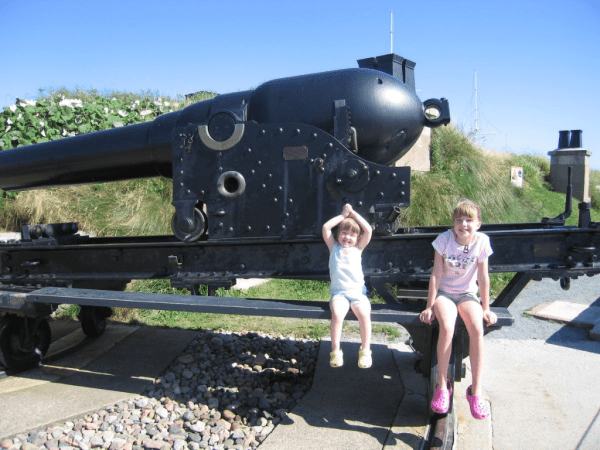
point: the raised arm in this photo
(329, 225)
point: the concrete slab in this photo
(574, 314)
(470, 433)
(410, 423)
(347, 407)
(114, 368)
(542, 395)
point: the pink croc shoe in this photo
(479, 407)
(440, 403)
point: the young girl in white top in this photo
(347, 281)
(460, 265)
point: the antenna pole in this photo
(476, 111)
(391, 31)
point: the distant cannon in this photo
(268, 162)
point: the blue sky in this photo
(537, 62)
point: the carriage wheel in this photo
(93, 320)
(23, 341)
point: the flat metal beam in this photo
(227, 305)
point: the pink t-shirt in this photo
(460, 261)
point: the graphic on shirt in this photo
(459, 264)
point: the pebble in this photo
(226, 391)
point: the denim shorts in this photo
(459, 298)
(355, 297)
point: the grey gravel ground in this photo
(584, 290)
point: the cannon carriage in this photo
(255, 175)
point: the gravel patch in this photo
(224, 391)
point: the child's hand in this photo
(490, 317)
(427, 316)
(347, 211)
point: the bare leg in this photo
(446, 313)
(472, 316)
(362, 311)
(339, 309)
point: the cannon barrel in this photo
(382, 113)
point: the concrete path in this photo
(118, 366)
(352, 408)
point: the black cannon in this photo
(275, 161)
